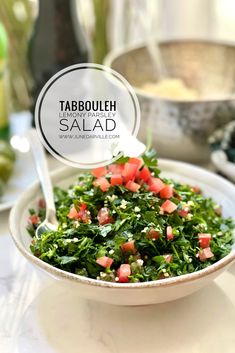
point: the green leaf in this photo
(106, 230)
(64, 260)
(158, 259)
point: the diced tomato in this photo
(99, 172)
(102, 183)
(85, 216)
(155, 185)
(153, 234)
(129, 171)
(73, 213)
(116, 168)
(153, 180)
(41, 203)
(104, 216)
(83, 207)
(205, 254)
(129, 247)
(104, 261)
(168, 257)
(166, 192)
(82, 214)
(169, 233)
(204, 240)
(184, 211)
(34, 219)
(132, 186)
(123, 272)
(144, 174)
(168, 206)
(136, 161)
(116, 179)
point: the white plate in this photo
(24, 174)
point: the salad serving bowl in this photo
(143, 293)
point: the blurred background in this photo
(179, 55)
(111, 24)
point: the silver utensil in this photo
(50, 223)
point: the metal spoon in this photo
(50, 223)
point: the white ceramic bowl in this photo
(159, 291)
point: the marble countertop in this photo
(41, 315)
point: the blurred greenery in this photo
(16, 15)
(100, 43)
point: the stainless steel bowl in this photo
(181, 128)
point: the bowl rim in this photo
(116, 53)
(167, 282)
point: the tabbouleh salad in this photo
(124, 223)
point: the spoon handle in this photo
(43, 173)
